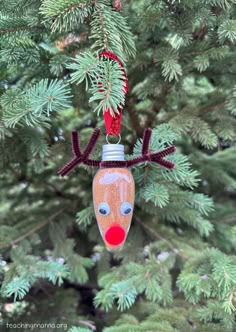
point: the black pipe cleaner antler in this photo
(83, 157)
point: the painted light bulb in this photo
(113, 199)
(113, 184)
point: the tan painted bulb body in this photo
(113, 185)
(113, 198)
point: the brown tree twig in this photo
(105, 39)
(33, 230)
(211, 108)
(133, 117)
(156, 235)
(202, 111)
(160, 237)
(3, 31)
(226, 220)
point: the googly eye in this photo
(126, 208)
(104, 209)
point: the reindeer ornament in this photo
(113, 184)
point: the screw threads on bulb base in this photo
(113, 152)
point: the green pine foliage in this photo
(33, 104)
(79, 329)
(177, 270)
(109, 29)
(66, 16)
(107, 87)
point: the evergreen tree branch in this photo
(104, 33)
(65, 16)
(111, 32)
(72, 8)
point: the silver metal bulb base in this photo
(113, 152)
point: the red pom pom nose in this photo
(115, 235)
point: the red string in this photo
(113, 122)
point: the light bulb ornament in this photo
(113, 185)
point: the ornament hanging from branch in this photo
(113, 184)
